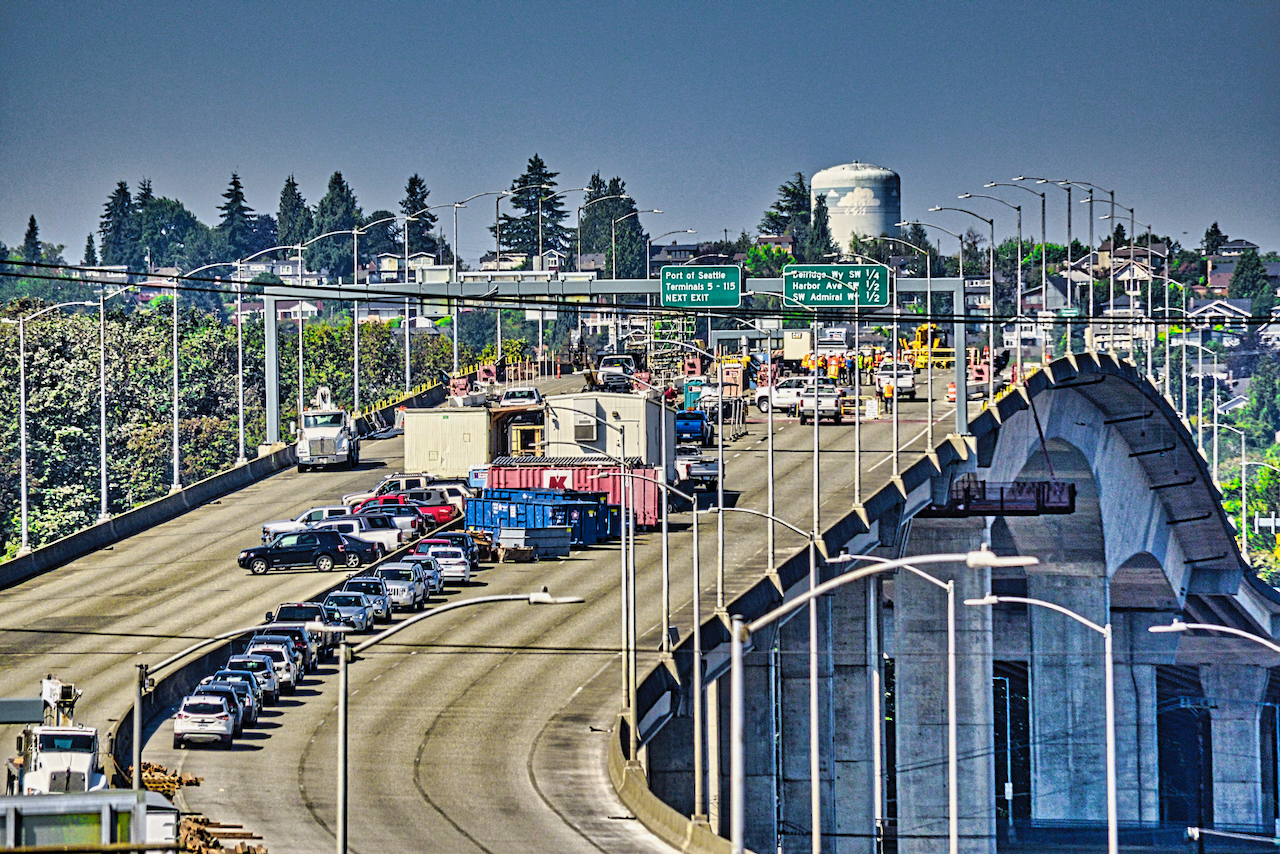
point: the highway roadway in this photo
(483, 730)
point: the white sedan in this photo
(454, 563)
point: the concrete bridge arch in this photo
(1149, 540)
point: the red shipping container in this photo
(648, 495)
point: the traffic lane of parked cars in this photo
(281, 659)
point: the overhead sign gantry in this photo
(836, 285)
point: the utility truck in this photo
(327, 435)
(57, 756)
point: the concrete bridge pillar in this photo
(857, 698)
(920, 685)
(670, 764)
(1068, 698)
(1235, 691)
(760, 744)
(1137, 748)
(795, 807)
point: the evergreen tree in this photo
(385, 237)
(265, 233)
(1119, 237)
(236, 226)
(31, 242)
(118, 229)
(543, 212)
(145, 194)
(90, 258)
(415, 200)
(790, 211)
(165, 229)
(593, 228)
(819, 244)
(1249, 281)
(294, 222)
(1213, 240)
(337, 211)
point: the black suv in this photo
(321, 549)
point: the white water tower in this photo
(861, 198)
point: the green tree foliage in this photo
(90, 257)
(1249, 281)
(724, 251)
(413, 204)
(170, 233)
(790, 210)
(383, 237)
(236, 226)
(819, 244)
(295, 219)
(593, 226)
(119, 231)
(337, 211)
(767, 261)
(31, 242)
(543, 213)
(1261, 416)
(1213, 240)
(1119, 236)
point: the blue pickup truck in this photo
(694, 427)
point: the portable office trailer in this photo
(447, 442)
(573, 427)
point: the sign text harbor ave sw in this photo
(836, 285)
(708, 286)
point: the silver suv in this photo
(406, 584)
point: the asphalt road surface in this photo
(481, 730)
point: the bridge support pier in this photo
(920, 667)
(1137, 746)
(1236, 690)
(796, 809)
(1068, 694)
(857, 699)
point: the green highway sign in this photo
(836, 285)
(701, 287)
(1069, 312)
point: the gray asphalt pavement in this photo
(481, 730)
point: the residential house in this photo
(286, 309)
(1119, 332)
(1228, 313)
(1236, 248)
(781, 241)
(674, 253)
(507, 261)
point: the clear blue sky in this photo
(703, 108)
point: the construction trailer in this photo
(452, 441)
(573, 427)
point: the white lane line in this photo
(913, 439)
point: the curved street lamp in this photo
(176, 486)
(991, 272)
(21, 323)
(1017, 306)
(1062, 184)
(741, 632)
(1113, 839)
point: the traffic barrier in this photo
(129, 523)
(676, 829)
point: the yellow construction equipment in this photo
(924, 345)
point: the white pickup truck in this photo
(828, 405)
(271, 530)
(693, 469)
(900, 375)
(785, 395)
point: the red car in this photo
(437, 513)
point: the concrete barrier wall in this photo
(139, 519)
(671, 827)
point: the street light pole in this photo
(1113, 839)
(25, 547)
(1064, 185)
(991, 270)
(741, 632)
(103, 296)
(1044, 267)
(1017, 310)
(577, 261)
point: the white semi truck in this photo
(58, 756)
(327, 435)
